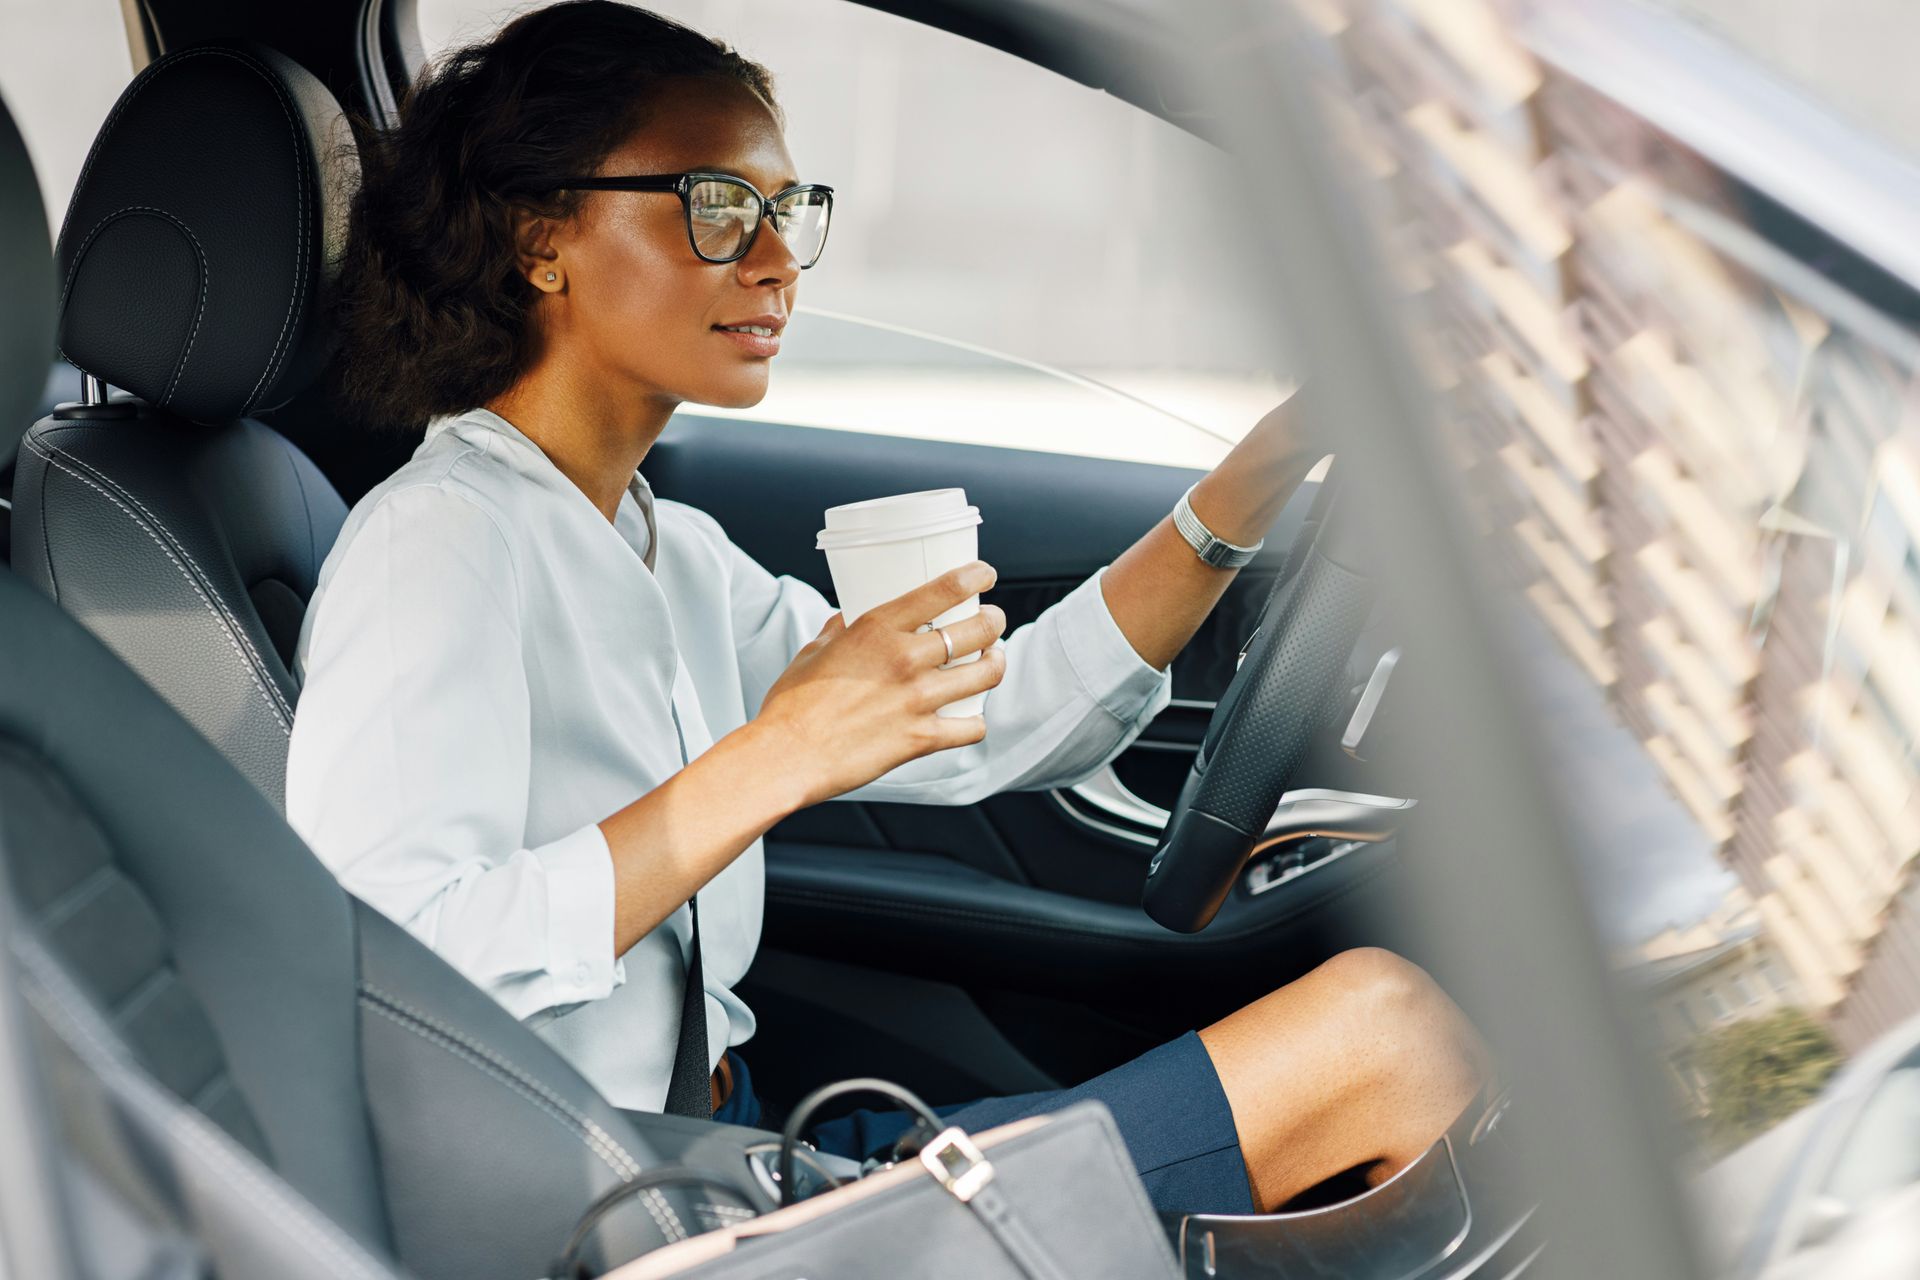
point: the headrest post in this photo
(92, 390)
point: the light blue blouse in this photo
(491, 668)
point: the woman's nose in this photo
(769, 261)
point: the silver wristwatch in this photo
(1212, 550)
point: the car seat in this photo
(193, 270)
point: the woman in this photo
(542, 710)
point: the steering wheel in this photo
(1278, 701)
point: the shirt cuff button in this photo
(580, 974)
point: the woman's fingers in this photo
(958, 731)
(914, 608)
(938, 687)
(969, 635)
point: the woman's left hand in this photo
(1158, 591)
(1242, 496)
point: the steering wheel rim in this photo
(1264, 724)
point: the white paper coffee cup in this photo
(883, 548)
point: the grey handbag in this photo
(1047, 1198)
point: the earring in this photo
(551, 276)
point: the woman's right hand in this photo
(859, 700)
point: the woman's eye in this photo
(721, 215)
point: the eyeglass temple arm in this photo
(620, 184)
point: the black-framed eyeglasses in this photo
(724, 213)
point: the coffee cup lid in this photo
(896, 518)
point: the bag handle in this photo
(953, 1160)
(570, 1267)
(926, 1124)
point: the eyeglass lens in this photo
(723, 215)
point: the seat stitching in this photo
(572, 1112)
(306, 508)
(219, 1086)
(200, 255)
(135, 1002)
(68, 904)
(462, 1050)
(473, 1046)
(46, 544)
(160, 524)
(243, 1177)
(300, 241)
(300, 174)
(233, 642)
(233, 621)
(113, 117)
(47, 987)
(656, 1204)
(597, 1139)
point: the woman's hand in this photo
(856, 702)
(860, 700)
(1242, 496)
(1158, 591)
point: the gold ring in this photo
(946, 640)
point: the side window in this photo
(61, 67)
(1015, 259)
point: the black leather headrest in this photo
(26, 289)
(203, 234)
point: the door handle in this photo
(1311, 811)
(1104, 796)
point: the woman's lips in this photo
(753, 344)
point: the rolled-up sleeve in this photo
(408, 768)
(1074, 696)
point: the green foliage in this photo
(1759, 1072)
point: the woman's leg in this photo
(1364, 1061)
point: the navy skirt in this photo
(1168, 1104)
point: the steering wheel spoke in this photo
(1280, 699)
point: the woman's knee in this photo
(1412, 1026)
(1378, 979)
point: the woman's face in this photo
(633, 306)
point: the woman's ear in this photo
(539, 260)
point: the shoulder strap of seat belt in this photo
(690, 1087)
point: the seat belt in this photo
(690, 1086)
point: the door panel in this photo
(1018, 917)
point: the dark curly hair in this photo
(431, 308)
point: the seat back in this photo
(148, 1186)
(193, 268)
(26, 287)
(212, 1000)
(223, 953)
(330, 1043)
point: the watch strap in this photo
(1210, 547)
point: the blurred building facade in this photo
(1693, 411)
(1709, 974)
